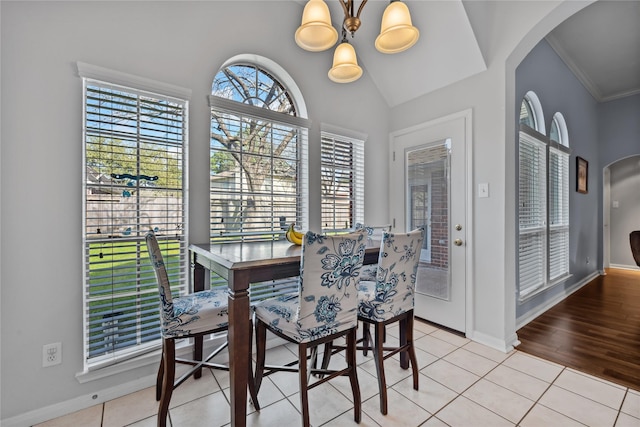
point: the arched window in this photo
(558, 189)
(543, 200)
(531, 112)
(558, 131)
(258, 152)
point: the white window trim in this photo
(301, 121)
(561, 124)
(359, 140)
(548, 283)
(538, 115)
(139, 85)
(106, 75)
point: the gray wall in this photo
(179, 43)
(618, 129)
(184, 43)
(619, 136)
(599, 133)
(624, 209)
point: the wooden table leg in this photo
(238, 345)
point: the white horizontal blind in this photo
(342, 182)
(135, 180)
(256, 177)
(532, 214)
(558, 212)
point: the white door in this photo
(429, 188)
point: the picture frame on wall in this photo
(582, 175)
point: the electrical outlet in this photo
(51, 354)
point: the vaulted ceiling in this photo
(600, 44)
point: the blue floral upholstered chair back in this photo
(324, 308)
(392, 293)
(327, 298)
(374, 232)
(329, 272)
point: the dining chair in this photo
(389, 299)
(189, 316)
(634, 241)
(374, 232)
(325, 307)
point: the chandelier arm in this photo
(345, 7)
(360, 8)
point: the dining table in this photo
(240, 264)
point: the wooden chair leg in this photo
(198, 348)
(253, 392)
(261, 344)
(353, 375)
(412, 352)
(378, 355)
(326, 357)
(403, 330)
(160, 375)
(367, 342)
(169, 361)
(304, 392)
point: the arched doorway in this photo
(621, 210)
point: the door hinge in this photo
(394, 156)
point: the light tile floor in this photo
(462, 383)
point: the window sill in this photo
(545, 288)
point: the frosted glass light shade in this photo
(397, 33)
(316, 33)
(345, 64)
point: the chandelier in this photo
(316, 34)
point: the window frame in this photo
(330, 137)
(145, 284)
(534, 108)
(551, 256)
(301, 124)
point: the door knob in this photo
(457, 242)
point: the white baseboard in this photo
(97, 397)
(504, 346)
(78, 403)
(522, 321)
(625, 267)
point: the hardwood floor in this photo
(595, 330)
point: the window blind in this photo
(558, 211)
(135, 180)
(342, 182)
(532, 214)
(257, 182)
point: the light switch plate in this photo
(483, 189)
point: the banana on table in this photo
(294, 236)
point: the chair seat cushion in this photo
(196, 313)
(281, 314)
